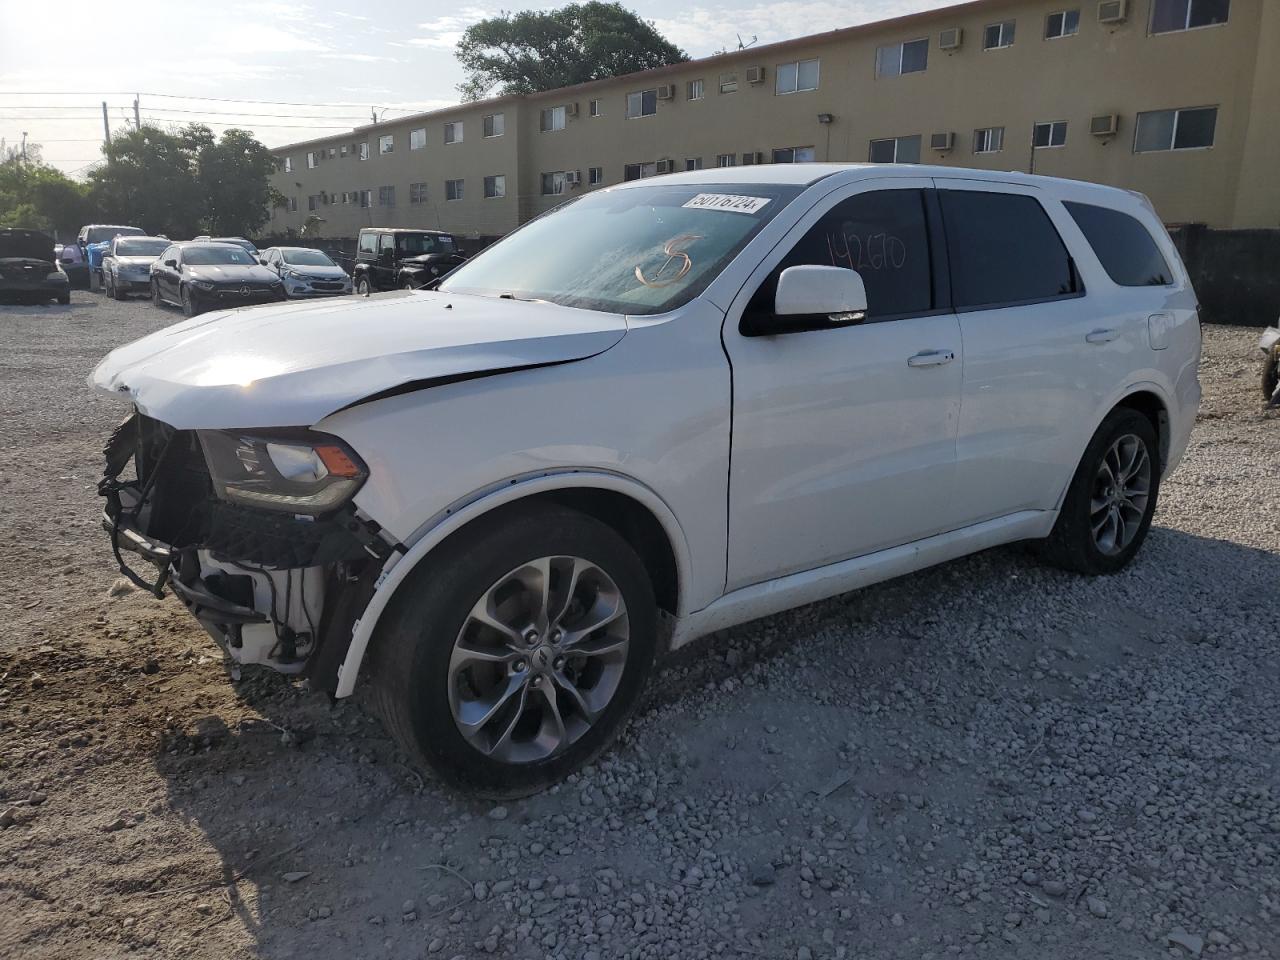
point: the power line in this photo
(211, 113)
(179, 96)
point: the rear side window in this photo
(1124, 246)
(1004, 250)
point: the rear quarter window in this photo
(1125, 247)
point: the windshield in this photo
(238, 241)
(306, 258)
(638, 250)
(140, 248)
(416, 244)
(103, 234)
(221, 253)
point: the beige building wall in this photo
(1103, 69)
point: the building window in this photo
(453, 133)
(1187, 129)
(728, 82)
(386, 196)
(495, 187)
(552, 119)
(796, 77)
(344, 150)
(643, 103)
(594, 108)
(311, 161)
(909, 57)
(366, 198)
(386, 143)
(793, 155)
(311, 201)
(288, 164)
(417, 193)
(997, 36)
(896, 150)
(694, 90)
(453, 189)
(553, 183)
(495, 125)
(726, 159)
(693, 163)
(293, 204)
(595, 175)
(364, 151)
(1168, 16)
(1051, 133)
(418, 138)
(1064, 23)
(639, 171)
(988, 140)
(332, 153)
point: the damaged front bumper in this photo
(272, 588)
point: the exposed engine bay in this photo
(254, 534)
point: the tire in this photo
(64, 299)
(156, 299)
(1270, 377)
(415, 651)
(189, 306)
(1074, 545)
(362, 287)
(407, 284)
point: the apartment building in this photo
(1177, 98)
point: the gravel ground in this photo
(991, 758)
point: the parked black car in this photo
(387, 258)
(210, 276)
(29, 270)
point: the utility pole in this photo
(373, 112)
(106, 124)
(24, 146)
(137, 114)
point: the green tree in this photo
(531, 51)
(232, 174)
(36, 195)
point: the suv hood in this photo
(25, 245)
(294, 364)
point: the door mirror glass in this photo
(835, 292)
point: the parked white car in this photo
(665, 408)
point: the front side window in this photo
(694, 90)
(1052, 133)
(639, 251)
(364, 151)
(998, 35)
(988, 140)
(453, 132)
(552, 119)
(900, 58)
(793, 155)
(386, 243)
(453, 189)
(796, 77)
(1064, 23)
(1004, 250)
(1186, 129)
(1124, 246)
(882, 235)
(1169, 16)
(495, 125)
(642, 103)
(386, 143)
(495, 187)
(418, 138)
(553, 183)
(728, 82)
(595, 175)
(368, 243)
(417, 193)
(896, 150)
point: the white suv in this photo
(662, 409)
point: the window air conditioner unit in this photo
(572, 178)
(755, 74)
(664, 166)
(1105, 125)
(950, 39)
(666, 92)
(942, 141)
(1113, 11)
(570, 109)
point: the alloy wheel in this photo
(538, 659)
(1121, 489)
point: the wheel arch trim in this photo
(449, 521)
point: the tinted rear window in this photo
(1004, 250)
(1124, 246)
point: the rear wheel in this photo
(1108, 508)
(514, 656)
(362, 287)
(65, 298)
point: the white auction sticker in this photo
(727, 201)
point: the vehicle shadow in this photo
(323, 834)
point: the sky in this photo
(323, 65)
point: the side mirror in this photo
(834, 292)
(171, 263)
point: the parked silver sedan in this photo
(306, 272)
(126, 266)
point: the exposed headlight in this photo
(202, 284)
(296, 472)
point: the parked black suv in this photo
(387, 258)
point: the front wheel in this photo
(513, 657)
(189, 306)
(1108, 507)
(156, 299)
(362, 287)
(1271, 379)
